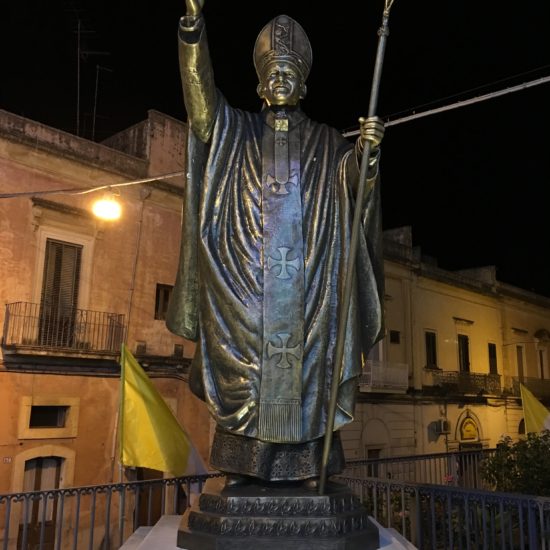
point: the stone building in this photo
(446, 376)
(72, 288)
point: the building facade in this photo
(73, 288)
(446, 376)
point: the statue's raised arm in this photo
(197, 76)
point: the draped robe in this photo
(218, 299)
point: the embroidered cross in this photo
(284, 351)
(284, 263)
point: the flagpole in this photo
(113, 448)
(383, 33)
(120, 414)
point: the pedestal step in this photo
(272, 516)
(164, 534)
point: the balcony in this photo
(537, 386)
(36, 329)
(468, 382)
(385, 377)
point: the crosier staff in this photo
(383, 33)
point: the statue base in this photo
(271, 516)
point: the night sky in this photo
(472, 182)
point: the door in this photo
(38, 515)
(59, 296)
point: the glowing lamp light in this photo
(107, 208)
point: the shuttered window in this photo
(61, 275)
(463, 353)
(59, 296)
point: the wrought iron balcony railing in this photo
(39, 327)
(382, 376)
(538, 386)
(468, 382)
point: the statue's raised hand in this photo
(194, 7)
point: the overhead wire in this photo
(86, 190)
(469, 91)
(388, 123)
(458, 104)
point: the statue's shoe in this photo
(311, 484)
(235, 480)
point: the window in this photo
(48, 416)
(431, 349)
(543, 364)
(492, 348)
(59, 295)
(395, 337)
(463, 353)
(372, 469)
(519, 359)
(161, 303)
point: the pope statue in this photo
(267, 216)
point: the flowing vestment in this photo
(218, 299)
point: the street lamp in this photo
(107, 207)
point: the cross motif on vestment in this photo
(284, 351)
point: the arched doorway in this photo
(376, 444)
(39, 468)
(38, 517)
(468, 462)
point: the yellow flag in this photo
(536, 415)
(150, 435)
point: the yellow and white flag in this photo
(536, 415)
(150, 435)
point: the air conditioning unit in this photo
(442, 426)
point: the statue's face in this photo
(281, 84)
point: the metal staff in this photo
(383, 33)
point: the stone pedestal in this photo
(277, 516)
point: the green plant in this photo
(521, 466)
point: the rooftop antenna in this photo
(97, 69)
(81, 54)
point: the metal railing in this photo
(468, 382)
(383, 376)
(38, 326)
(92, 517)
(457, 469)
(434, 517)
(538, 386)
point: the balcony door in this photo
(463, 353)
(59, 295)
(38, 516)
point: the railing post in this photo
(6, 325)
(59, 522)
(7, 523)
(122, 514)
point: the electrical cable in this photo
(388, 123)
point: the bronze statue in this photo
(267, 216)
